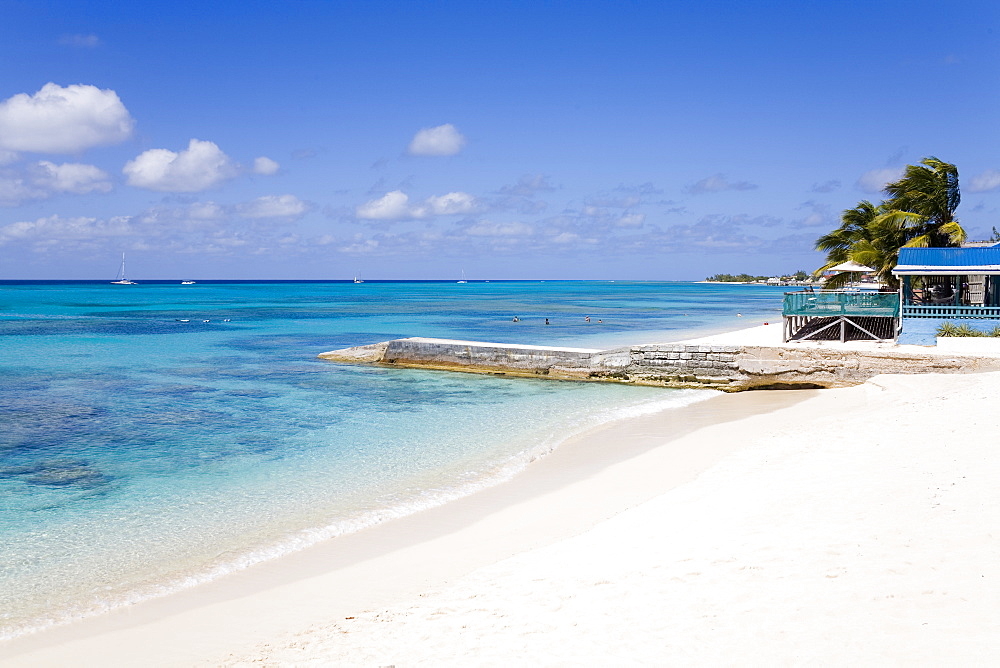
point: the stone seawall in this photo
(736, 368)
(724, 367)
(476, 357)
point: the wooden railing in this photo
(950, 311)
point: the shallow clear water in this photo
(156, 435)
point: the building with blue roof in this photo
(939, 285)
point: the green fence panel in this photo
(823, 304)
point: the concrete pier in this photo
(731, 368)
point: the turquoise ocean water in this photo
(155, 436)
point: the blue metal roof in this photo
(979, 259)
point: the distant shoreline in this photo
(783, 284)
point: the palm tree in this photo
(856, 228)
(923, 203)
(919, 212)
(880, 250)
(853, 227)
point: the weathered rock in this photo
(359, 354)
(728, 368)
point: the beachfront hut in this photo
(939, 285)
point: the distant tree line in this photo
(736, 278)
(800, 275)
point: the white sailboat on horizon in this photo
(121, 275)
(463, 277)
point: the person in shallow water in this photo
(546, 321)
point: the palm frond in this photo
(837, 281)
(954, 231)
(923, 241)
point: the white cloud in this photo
(826, 186)
(528, 186)
(361, 247)
(485, 228)
(718, 183)
(566, 238)
(70, 178)
(266, 166)
(452, 203)
(43, 179)
(212, 217)
(603, 216)
(646, 189)
(441, 140)
(13, 191)
(985, 182)
(205, 211)
(820, 214)
(84, 41)
(875, 180)
(195, 216)
(614, 202)
(391, 206)
(274, 206)
(199, 167)
(631, 220)
(7, 157)
(396, 205)
(60, 229)
(63, 120)
(520, 196)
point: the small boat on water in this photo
(463, 277)
(187, 282)
(357, 279)
(122, 280)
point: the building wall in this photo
(919, 331)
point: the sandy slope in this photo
(860, 527)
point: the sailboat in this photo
(121, 275)
(357, 279)
(463, 277)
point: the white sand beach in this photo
(769, 334)
(856, 526)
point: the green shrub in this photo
(951, 329)
(947, 329)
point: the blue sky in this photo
(511, 140)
